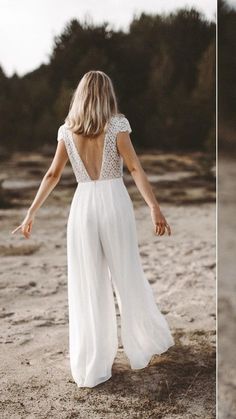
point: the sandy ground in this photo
(35, 372)
(227, 288)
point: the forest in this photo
(163, 70)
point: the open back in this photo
(112, 162)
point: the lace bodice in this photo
(112, 162)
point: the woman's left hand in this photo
(159, 222)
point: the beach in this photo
(35, 373)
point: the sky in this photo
(28, 27)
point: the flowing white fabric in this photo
(102, 256)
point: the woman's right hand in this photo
(26, 225)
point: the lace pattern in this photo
(112, 162)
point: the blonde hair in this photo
(92, 105)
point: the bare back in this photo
(99, 158)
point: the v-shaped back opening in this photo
(78, 154)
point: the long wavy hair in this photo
(93, 104)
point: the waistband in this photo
(99, 182)
(114, 179)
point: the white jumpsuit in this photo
(102, 254)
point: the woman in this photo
(102, 245)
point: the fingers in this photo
(168, 229)
(30, 227)
(25, 229)
(16, 229)
(161, 227)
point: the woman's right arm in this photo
(48, 183)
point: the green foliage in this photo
(162, 70)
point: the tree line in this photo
(163, 70)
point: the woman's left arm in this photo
(127, 151)
(48, 183)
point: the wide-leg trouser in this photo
(102, 255)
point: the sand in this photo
(35, 374)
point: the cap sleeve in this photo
(60, 133)
(124, 125)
